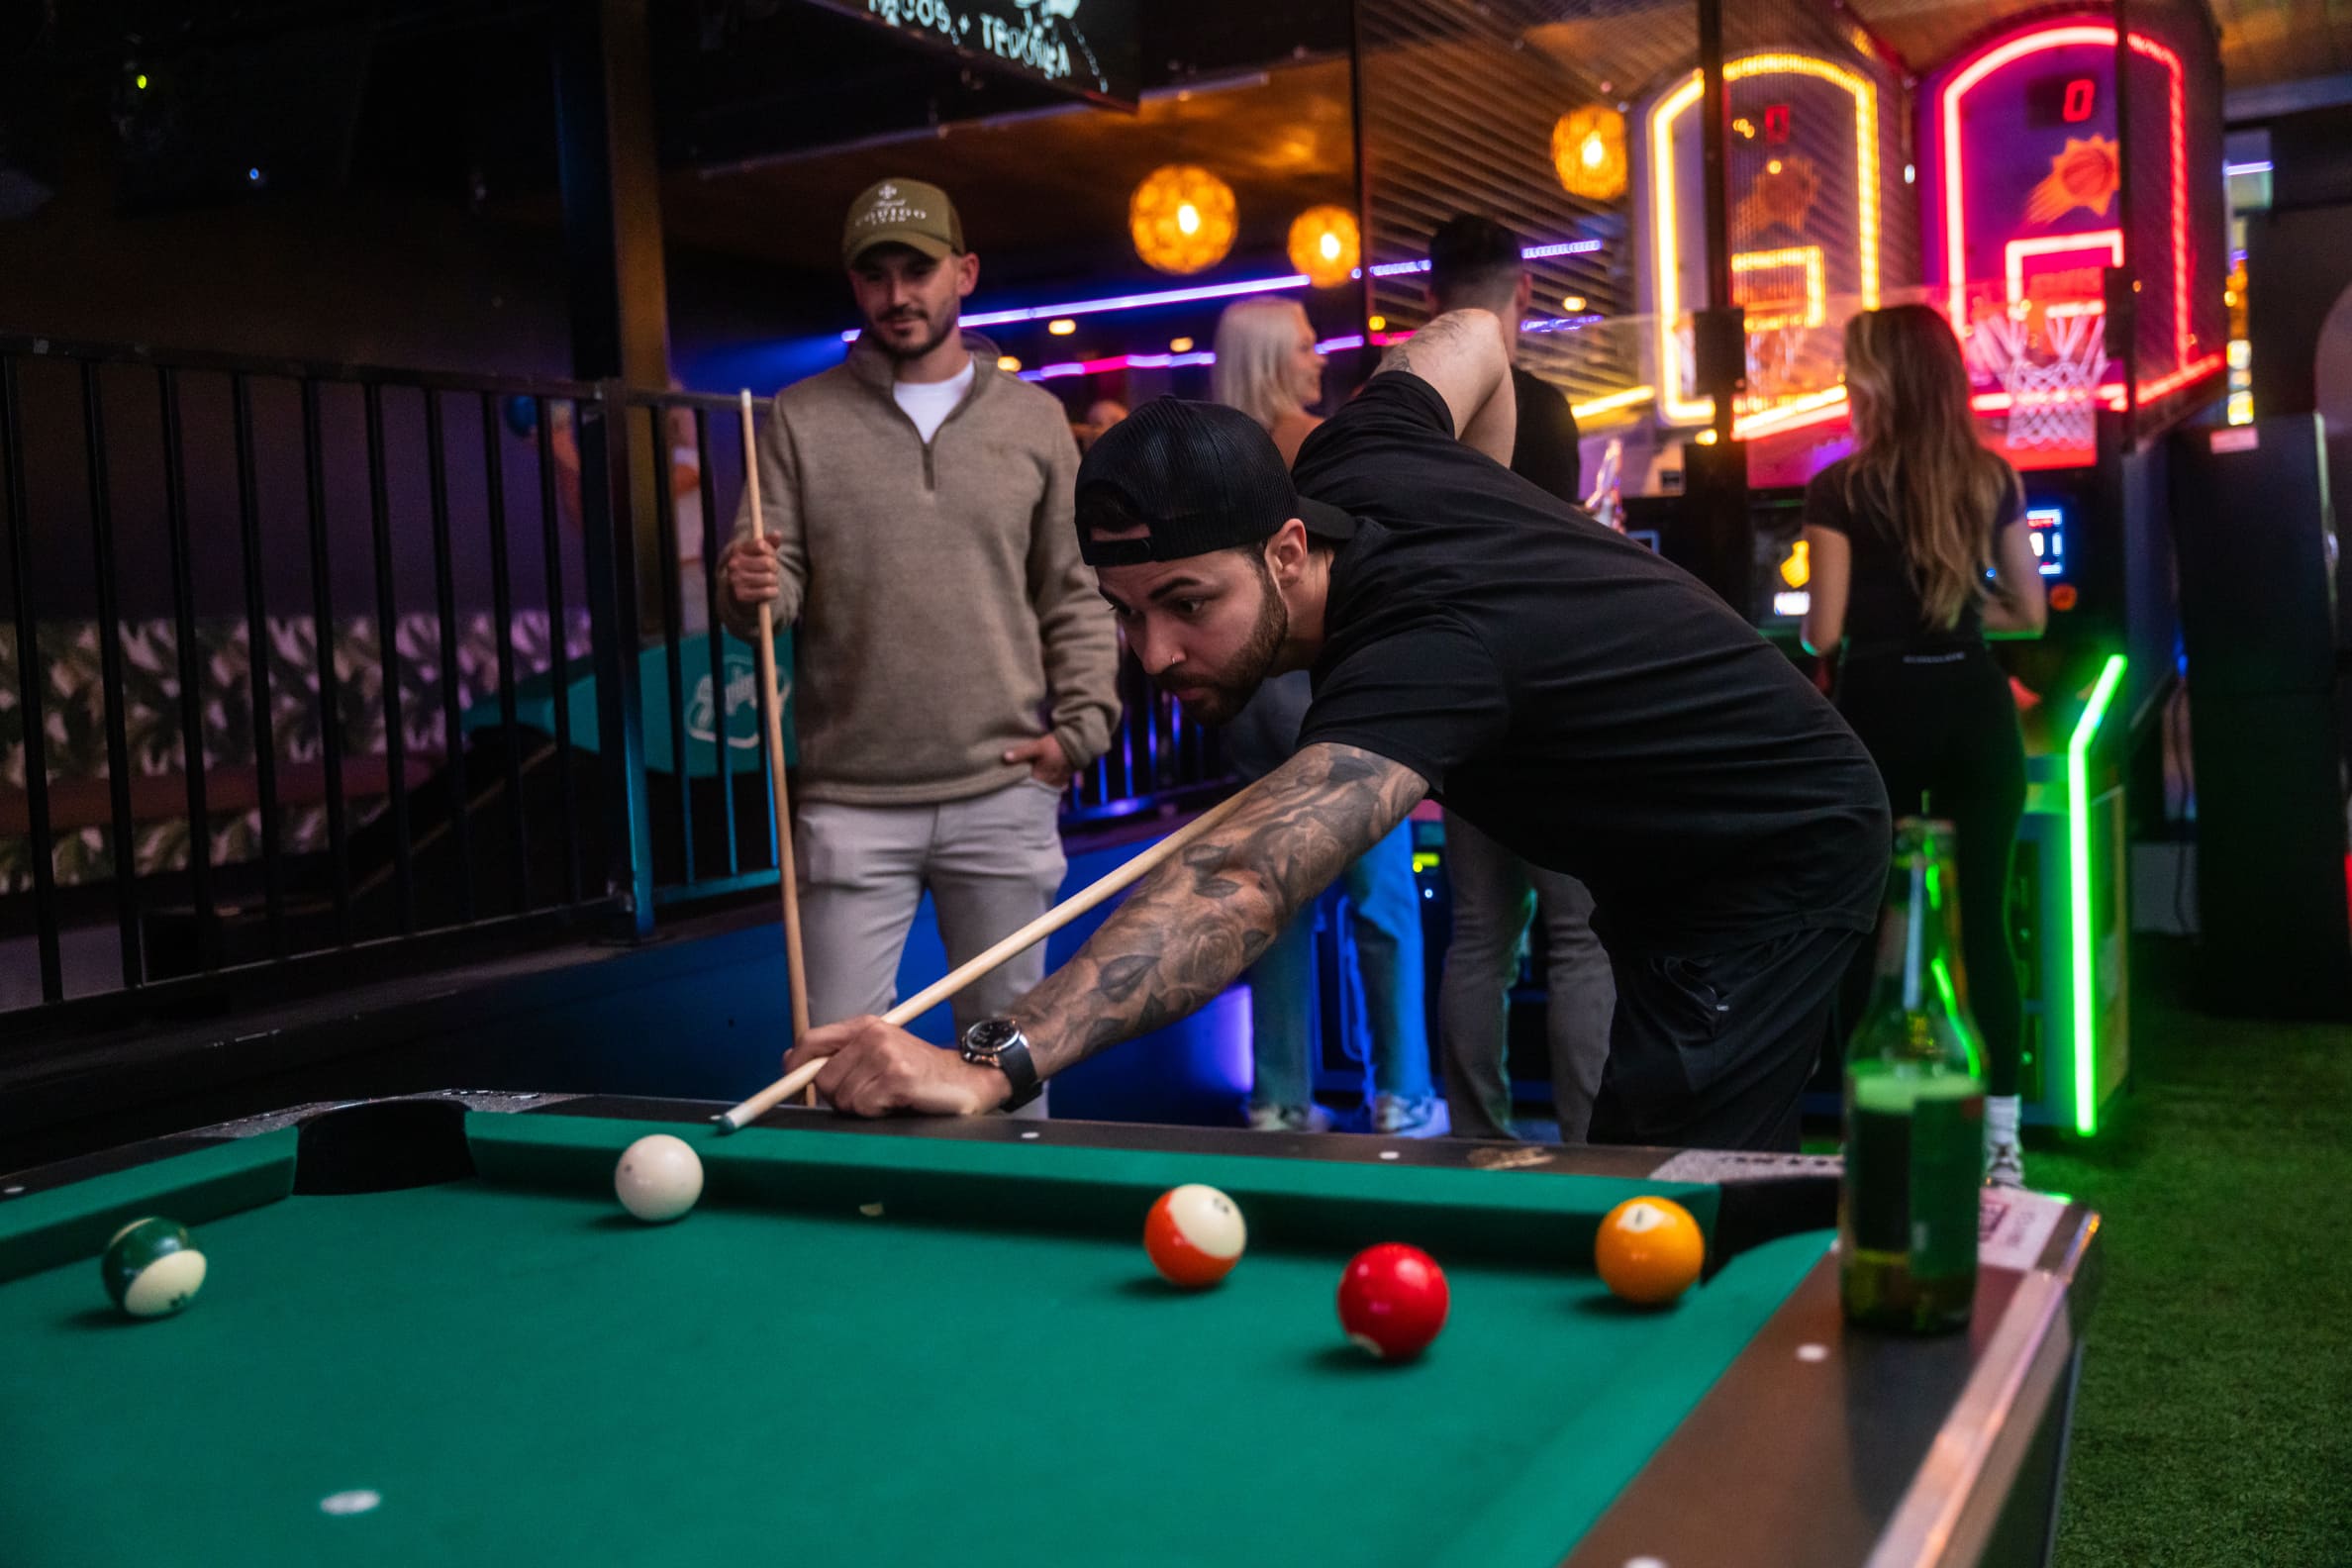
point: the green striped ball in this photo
(152, 1268)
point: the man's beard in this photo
(1220, 698)
(940, 331)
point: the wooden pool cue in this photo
(1037, 931)
(771, 713)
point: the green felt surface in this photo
(524, 1374)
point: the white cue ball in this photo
(659, 1178)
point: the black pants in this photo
(1944, 729)
(1713, 1050)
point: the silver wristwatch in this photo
(998, 1042)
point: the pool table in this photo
(430, 1335)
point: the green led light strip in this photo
(2078, 856)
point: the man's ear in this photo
(1524, 295)
(1287, 551)
(967, 274)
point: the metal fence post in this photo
(609, 538)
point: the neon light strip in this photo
(2165, 386)
(1689, 411)
(1124, 302)
(1999, 403)
(1812, 407)
(2015, 254)
(1817, 291)
(2078, 855)
(1159, 362)
(1526, 253)
(1632, 397)
(1955, 223)
(1209, 291)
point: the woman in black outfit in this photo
(1918, 554)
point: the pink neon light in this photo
(2165, 386)
(2059, 37)
(2014, 254)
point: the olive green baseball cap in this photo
(902, 212)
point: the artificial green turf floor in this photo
(2216, 1416)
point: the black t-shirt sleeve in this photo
(1397, 418)
(1826, 502)
(2012, 510)
(1429, 695)
(1545, 451)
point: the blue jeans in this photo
(1384, 903)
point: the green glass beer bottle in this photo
(1914, 1110)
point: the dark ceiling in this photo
(774, 112)
(1046, 195)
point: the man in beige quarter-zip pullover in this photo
(955, 662)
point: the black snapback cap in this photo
(1199, 477)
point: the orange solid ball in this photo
(1194, 1235)
(1649, 1250)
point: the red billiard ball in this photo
(1194, 1235)
(1393, 1300)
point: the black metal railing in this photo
(295, 676)
(277, 572)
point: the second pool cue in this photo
(771, 713)
(1037, 931)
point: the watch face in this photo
(991, 1035)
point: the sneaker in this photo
(1423, 1117)
(1288, 1119)
(2005, 1165)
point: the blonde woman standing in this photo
(1919, 554)
(1268, 368)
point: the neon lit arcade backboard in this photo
(2027, 202)
(1812, 206)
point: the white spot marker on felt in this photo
(339, 1502)
(1812, 1352)
(1026, 1136)
(870, 1211)
(1390, 1154)
(1645, 1562)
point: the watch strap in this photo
(1013, 1061)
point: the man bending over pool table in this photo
(1590, 706)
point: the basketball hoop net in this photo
(2053, 388)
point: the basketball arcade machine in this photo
(2072, 234)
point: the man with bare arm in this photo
(1588, 706)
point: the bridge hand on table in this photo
(878, 1069)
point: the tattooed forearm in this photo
(1191, 927)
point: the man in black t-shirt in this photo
(1475, 263)
(1588, 706)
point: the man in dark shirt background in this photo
(1475, 265)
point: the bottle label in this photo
(1878, 1178)
(1947, 1167)
(1915, 1160)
